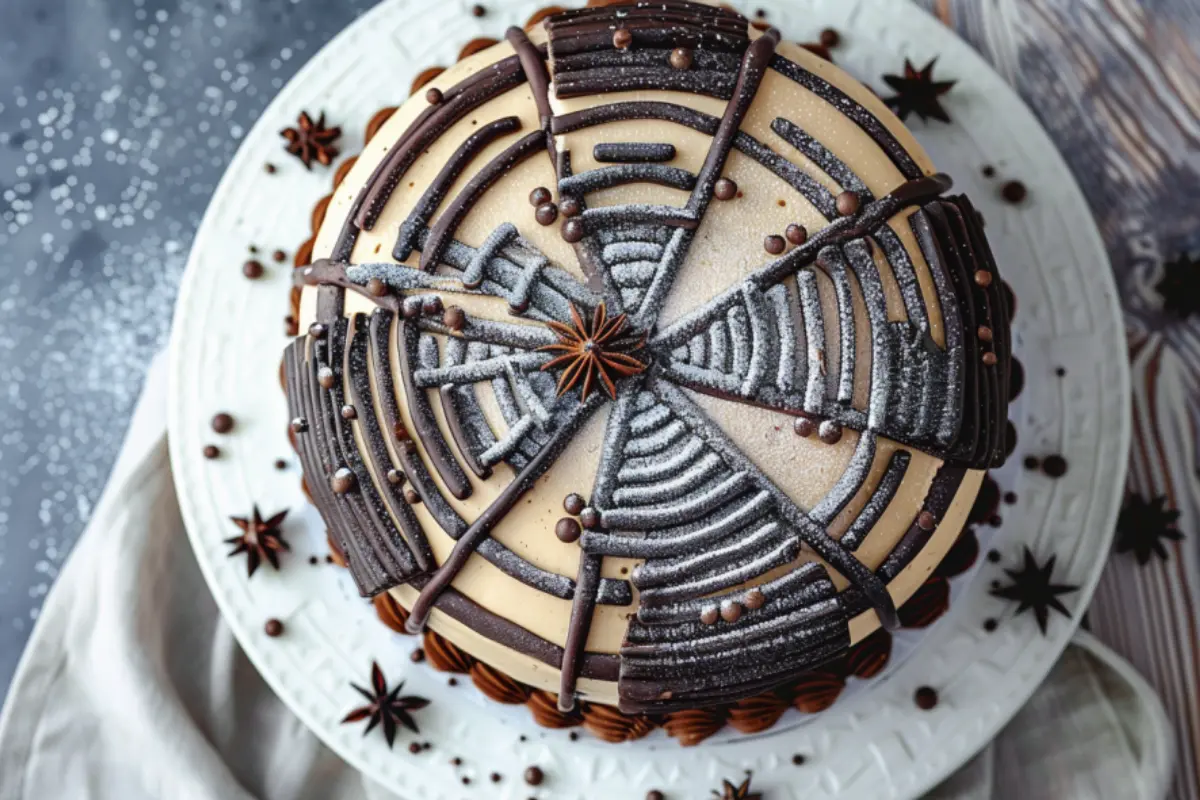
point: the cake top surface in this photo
(645, 347)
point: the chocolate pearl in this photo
(989, 171)
(376, 287)
(830, 432)
(343, 481)
(572, 230)
(349, 412)
(269, 168)
(517, 307)
(299, 425)
(534, 776)
(252, 269)
(433, 96)
(796, 234)
(984, 333)
(417, 656)
(1060, 371)
(411, 497)
(709, 615)
(495, 777)
(989, 359)
(774, 244)
(455, 318)
(539, 196)
(573, 504)
(1054, 466)
(731, 611)
(993, 556)
(317, 330)
(847, 203)
(990, 624)
(803, 426)
(466, 781)
(273, 628)
(983, 278)
(725, 189)
(754, 599)
(569, 206)
(325, 377)
(925, 698)
(926, 521)
(408, 445)
(1010, 498)
(280, 464)
(830, 38)
(1032, 462)
(222, 423)
(655, 794)
(211, 451)
(411, 307)
(622, 38)
(477, 10)
(681, 58)
(567, 530)
(395, 477)
(798, 759)
(546, 214)
(279, 256)
(589, 518)
(456, 761)
(1013, 191)
(431, 306)
(414, 748)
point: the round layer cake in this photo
(646, 360)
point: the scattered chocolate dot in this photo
(313, 559)
(411, 307)
(709, 615)
(317, 330)
(774, 244)
(567, 530)
(569, 206)
(573, 736)
(280, 464)
(417, 656)
(534, 776)
(622, 38)
(252, 269)
(1055, 466)
(681, 58)
(546, 214)
(989, 171)
(290, 326)
(995, 520)
(376, 287)
(343, 480)
(830, 38)
(466, 781)
(731, 611)
(414, 748)
(1010, 498)
(452, 682)
(349, 412)
(455, 318)
(477, 10)
(589, 518)
(995, 584)
(760, 12)
(984, 333)
(796, 234)
(279, 256)
(269, 168)
(433, 96)
(754, 599)
(573, 504)
(431, 306)
(989, 359)
(572, 230)
(328, 559)
(299, 425)
(1014, 191)
(803, 426)
(983, 278)
(798, 759)
(252, 249)
(395, 477)
(925, 698)
(325, 377)
(990, 624)
(829, 431)
(1032, 462)
(211, 451)
(273, 628)
(426, 745)
(725, 189)
(847, 203)
(523, 738)
(456, 761)
(495, 776)
(411, 497)
(539, 196)
(1060, 371)
(926, 521)
(655, 794)
(222, 423)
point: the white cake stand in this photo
(875, 742)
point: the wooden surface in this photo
(1117, 84)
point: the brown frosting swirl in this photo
(318, 213)
(693, 726)
(961, 555)
(544, 708)
(927, 604)
(445, 656)
(536, 17)
(498, 686)
(816, 691)
(389, 611)
(378, 121)
(611, 725)
(758, 713)
(424, 77)
(335, 551)
(475, 45)
(868, 658)
(342, 171)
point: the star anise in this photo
(1179, 286)
(310, 141)
(1143, 525)
(259, 540)
(740, 792)
(1031, 588)
(599, 350)
(384, 706)
(917, 91)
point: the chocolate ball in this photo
(434, 96)
(796, 234)
(573, 504)
(569, 206)
(539, 196)
(725, 189)
(829, 431)
(774, 244)
(343, 481)
(681, 58)
(622, 38)
(222, 423)
(572, 230)
(455, 318)
(847, 203)
(546, 214)
(567, 530)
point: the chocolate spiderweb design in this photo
(671, 488)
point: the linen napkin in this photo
(132, 687)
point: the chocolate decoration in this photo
(816, 692)
(546, 214)
(567, 530)
(725, 189)
(796, 234)
(273, 628)
(774, 244)
(539, 196)
(869, 657)
(1054, 466)
(927, 604)
(1014, 192)
(222, 423)
(252, 269)
(573, 504)
(534, 776)
(926, 698)
(211, 451)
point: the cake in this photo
(648, 367)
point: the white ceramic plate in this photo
(874, 742)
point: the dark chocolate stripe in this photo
(878, 502)
(751, 564)
(583, 607)
(534, 67)
(820, 155)
(606, 177)
(605, 80)
(633, 152)
(458, 431)
(830, 259)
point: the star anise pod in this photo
(917, 91)
(310, 141)
(596, 351)
(740, 792)
(1143, 525)
(259, 540)
(386, 707)
(1031, 588)
(1179, 286)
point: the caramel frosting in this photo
(652, 380)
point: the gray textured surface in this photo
(117, 118)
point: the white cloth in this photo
(132, 687)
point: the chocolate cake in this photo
(647, 366)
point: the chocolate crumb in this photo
(1032, 462)
(495, 776)
(456, 761)
(993, 556)
(926, 698)
(279, 256)
(211, 451)
(273, 628)
(452, 682)
(328, 559)
(252, 269)
(313, 560)
(1055, 466)
(534, 776)
(466, 781)
(269, 168)
(990, 624)
(1060, 371)
(1010, 498)
(222, 423)
(655, 794)
(573, 736)
(280, 464)
(1014, 191)
(414, 748)
(988, 171)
